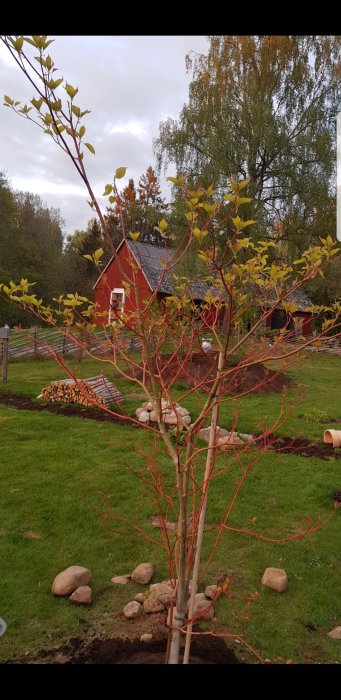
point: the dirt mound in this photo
(201, 369)
(204, 650)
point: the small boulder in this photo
(152, 604)
(212, 591)
(171, 419)
(335, 633)
(201, 605)
(198, 597)
(144, 417)
(163, 592)
(147, 637)
(82, 595)
(132, 610)
(140, 597)
(143, 573)
(71, 578)
(276, 579)
(120, 580)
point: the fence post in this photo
(4, 334)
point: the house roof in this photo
(299, 298)
(152, 260)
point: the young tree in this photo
(239, 273)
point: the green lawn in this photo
(55, 471)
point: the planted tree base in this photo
(205, 650)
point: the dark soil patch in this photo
(201, 369)
(302, 447)
(24, 403)
(205, 650)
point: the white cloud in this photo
(135, 128)
(130, 84)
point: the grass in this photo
(55, 471)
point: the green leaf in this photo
(243, 183)
(81, 131)
(177, 180)
(76, 111)
(71, 91)
(97, 255)
(120, 172)
(112, 200)
(37, 103)
(90, 147)
(199, 234)
(56, 106)
(107, 190)
(8, 100)
(18, 43)
(88, 257)
(134, 236)
(163, 225)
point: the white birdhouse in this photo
(206, 345)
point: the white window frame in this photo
(116, 290)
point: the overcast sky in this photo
(130, 83)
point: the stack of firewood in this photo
(87, 392)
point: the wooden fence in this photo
(39, 342)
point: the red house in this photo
(150, 259)
(109, 289)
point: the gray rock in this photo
(121, 580)
(276, 579)
(132, 610)
(147, 637)
(212, 591)
(143, 573)
(335, 633)
(71, 578)
(82, 595)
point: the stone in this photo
(121, 580)
(71, 578)
(147, 637)
(140, 597)
(202, 604)
(182, 411)
(153, 416)
(144, 417)
(171, 419)
(143, 573)
(163, 592)
(198, 598)
(139, 411)
(276, 579)
(187, 419)
(212, 591)
(152, 604)
(335, 633)
(82, 595)
(132, 610)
